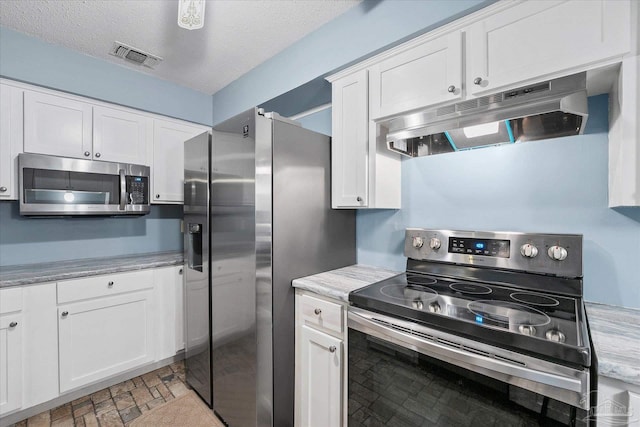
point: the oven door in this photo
(402, 373)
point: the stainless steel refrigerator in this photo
(257, 214)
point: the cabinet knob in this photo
(477, 81)
(317, 311)
(65, 313)
(87, 153)
(180, 271)
(3, 189)
(13, 324)
(97, 154)
(332, 349)
(110, 284)
(157, 196)
(451, 89)
(359, 198)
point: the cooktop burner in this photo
(470, 288)
(534, 299)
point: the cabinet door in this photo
(120, 136)
(321, 385)
(10, 363)
(169, 311)
(349, 154)
(10, 140)
(167, 168)
(102, 337)
(57, 125)
(538, 38)
(428, 74)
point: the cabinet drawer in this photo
(98, 286)
(321, 313)
(10, 300)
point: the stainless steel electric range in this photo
(482, 327)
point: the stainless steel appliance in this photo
(256, 215)
(52, 185)
(539, 111)
(482, 328)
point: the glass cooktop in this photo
(535, 322)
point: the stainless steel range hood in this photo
(545, 110)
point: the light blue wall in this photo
(318, 122)
(555, 186)
(33, 61)
(360, 32)
(30, 240)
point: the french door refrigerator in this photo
(257, 214)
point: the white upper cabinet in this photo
(120, 136)
(10, 140)
(57, 125)
(168, 159)
(429, 73)
(349, 148)
(537, 38)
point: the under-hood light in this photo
(481, 130)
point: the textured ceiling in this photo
(237, 36)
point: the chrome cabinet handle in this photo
(110, 284)
(65, 313)
(97, 154)
(3, 189)
(477, 81)
(180, 271)
(332, 349)
(87, 153)
(317, 311)
(359, 199)
(157, 196)
(451, 89)
(13, 324)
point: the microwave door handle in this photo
(123, 190)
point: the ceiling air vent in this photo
(134, 55)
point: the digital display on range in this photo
(481, 318)
(485, 247)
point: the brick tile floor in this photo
(117, 405)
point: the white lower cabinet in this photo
(321, 364)
(105, 336)
(618, 403)
(320, 368)
(10, 362)
(170, 319)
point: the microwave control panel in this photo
(138, 190)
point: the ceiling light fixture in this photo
(191, 14)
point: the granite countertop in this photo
(338, 283)
(16, 275)
(615, 330)
(616, 337)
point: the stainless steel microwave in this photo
(52, 185)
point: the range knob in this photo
(434, 243)
(557, 253)
(555, 336)
(528, 250)
(434, 307)
(418, 242)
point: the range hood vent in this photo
(541, 111)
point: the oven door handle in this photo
(455, 350)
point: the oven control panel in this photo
(484, 247)
(555, 254)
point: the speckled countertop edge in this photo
(615, 330)
(338, 283)
(27, 274)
